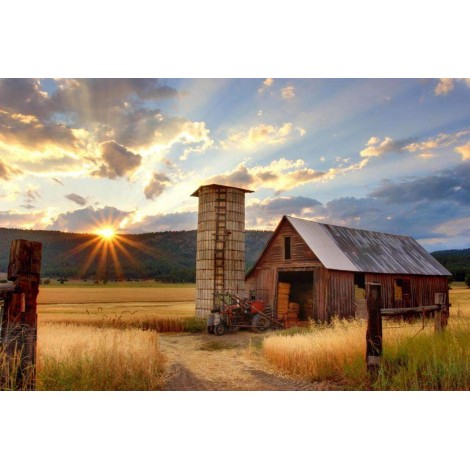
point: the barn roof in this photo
(349, 249)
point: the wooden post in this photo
(19, 325)
(440, 316)
(374, 327)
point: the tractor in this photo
(231, 313)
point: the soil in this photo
(229, 362)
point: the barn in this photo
(323, 269)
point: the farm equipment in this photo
(232, 313)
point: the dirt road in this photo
(229, 362)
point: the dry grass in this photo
(90, 358)
(413, 359)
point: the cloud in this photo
(7, 172)
(288, 93)
(81, 201)
(446, 85)
(262, 134)
(165, 222)
(29, 220)
(28, 132)
(88, 219)
(32, 194)
(376, 148)
(266, 84)
(156, 186)
(280, 175)
(464, 150)
(450, 185)
(118, 161)
(57, 180)
(267, 213)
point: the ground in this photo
(229, 362)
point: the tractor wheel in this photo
(210, 329)
(219, 329)
(260, 324)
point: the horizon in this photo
(386, 155)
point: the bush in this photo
(467, 280)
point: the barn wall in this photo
(340, 300)
(423, 288)
(263, 282)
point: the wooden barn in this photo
(326, 268)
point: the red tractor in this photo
(232, 313)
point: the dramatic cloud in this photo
(28, 132)
(263, 134)
(446, 85)
(288, 93)
(280, 175)
(450, 185)
(267, 213)
(81, 201)
(156, 185)
(118, 161)
(464, 150)
(32, 194)
(88, 219)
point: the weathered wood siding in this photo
(340, 302)
(263, 282)
(422, 292)
(273, 256)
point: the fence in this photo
(375, 313)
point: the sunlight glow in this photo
(108, 233)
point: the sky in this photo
(388, 155)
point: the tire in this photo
(210, 330)
(219, 329)
(260, 324)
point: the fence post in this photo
(19, 324)
(440, 316)
(374, 327)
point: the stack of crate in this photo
(283, 292)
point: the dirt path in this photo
(229, 362)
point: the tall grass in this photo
(413, 359)
(87, 358)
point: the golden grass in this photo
(90, 358)
(337, 352)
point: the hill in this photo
(166, 256)
(456, 261)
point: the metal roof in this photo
(349, 249)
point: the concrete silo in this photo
(220, 258)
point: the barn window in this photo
(287, 248)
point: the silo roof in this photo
(196, 193)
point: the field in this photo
(143, 336)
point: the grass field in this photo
(414, 358)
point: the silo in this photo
(220, 258)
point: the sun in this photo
(107, 233)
